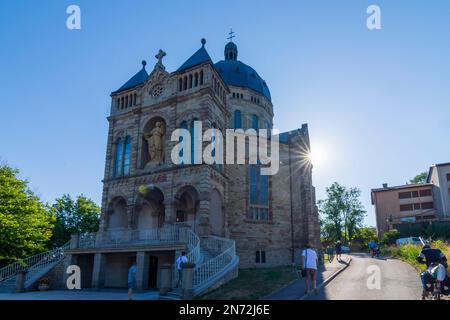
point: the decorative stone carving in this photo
(155, 141)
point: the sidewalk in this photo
(80, 295)
(296, 289)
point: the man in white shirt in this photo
(309, 263)
(180, 261)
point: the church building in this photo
(225, 216)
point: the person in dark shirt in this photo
(430, 257)
(338, 250)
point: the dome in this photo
(237, 73)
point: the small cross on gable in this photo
(161, 54)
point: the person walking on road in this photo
(131, 279)
(338, 249)
(330, 253)
(309, 264)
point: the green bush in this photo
(407, 253)
(390, 236)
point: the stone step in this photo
(8, 286)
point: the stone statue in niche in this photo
(155, 141)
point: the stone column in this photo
(187, 284)
(130, 216)
(166, 279)
(142, 266)
(169, 211)
(98, 272)
(71, 259)
(74, 240)
(20, 282)
(204, 226)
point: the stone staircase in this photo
(8, 286)
(218, 264)
(36, 266)
(206, 254)
(215, 259)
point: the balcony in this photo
(168, 237)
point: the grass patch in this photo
(253, 283)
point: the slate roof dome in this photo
(237, 73)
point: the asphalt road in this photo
(398, 281)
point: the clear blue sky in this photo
(376, 102)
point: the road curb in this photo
(331, 277)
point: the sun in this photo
(317, 155)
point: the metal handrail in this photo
(117, 238)
(207, 271)
(33, 263)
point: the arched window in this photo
(126, 101)
(196, 79)
(267, 127)
(118, 103)
(131, 101)
(180, 84)
(122, 102)
(183, 125)
(215, 146)
(118, 158)
(237, 119)
(184, 83)
(193, 146)
(135, 98)
(201, 77)
(255, 122)
(214, 142)
(259, 194)
(190, 81)
(253, 187)
(126, 156)
(263, 189)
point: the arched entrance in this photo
(150, 209)
(186, 204)
(117, 214)
(216, 216)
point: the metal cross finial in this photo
(159, 56)
(231, 35)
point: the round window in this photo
(157, 91)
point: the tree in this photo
(25, 222)
(353, 212)
(342, 213)
(331, 209)
(74, 216)
(420, 178)
(364, 235)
